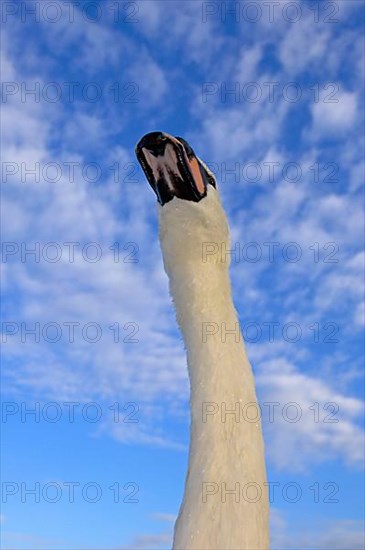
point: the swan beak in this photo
(172, 168)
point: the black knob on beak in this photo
(155, 142)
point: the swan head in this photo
(172, 168)
(192, 222)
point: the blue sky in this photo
(293, 133)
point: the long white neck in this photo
(225, 503)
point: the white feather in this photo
(229, 452)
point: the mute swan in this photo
(225, 504)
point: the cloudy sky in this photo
(269, 94)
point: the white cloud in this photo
(141, 542)
(239, 131)
(170, 518)
(247, 65)
(107, 292)
(304, 44)
(89, 127)
(334, 118)
(150, 15)
(94, 44)
(317, 435)
(153, 372)
(198, 42)
(321, 534)
(151, 81)
(360, 314)
(14, 540)
(151, 541)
